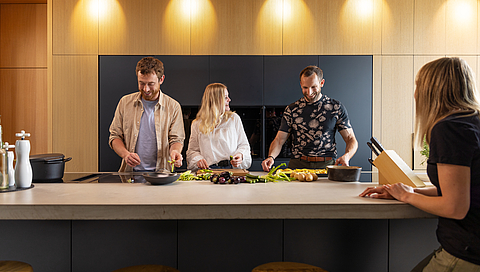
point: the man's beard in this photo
(315, 98)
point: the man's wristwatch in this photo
(271, 157)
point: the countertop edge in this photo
(237, 211)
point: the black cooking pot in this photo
(344, 173)
(48, 167)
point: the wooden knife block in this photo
(392, 169)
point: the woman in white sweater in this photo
(217, 138)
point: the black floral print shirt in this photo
(313, 126)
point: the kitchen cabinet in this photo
(281, 77)
(185, 78)
(228, 245)
(329, 239)
(45, 244)
(108, 245)
(349, 80)
(243, 76)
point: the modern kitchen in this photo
(65, 64)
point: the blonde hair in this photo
(212, 110)
(443, 87)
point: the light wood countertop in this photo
(322, 199)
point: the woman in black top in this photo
(447, 115)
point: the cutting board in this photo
(236, 172)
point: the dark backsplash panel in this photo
(255, 128)
(258, 86)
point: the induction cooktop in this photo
(71, 177)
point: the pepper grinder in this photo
(10, 170)
(23, 168)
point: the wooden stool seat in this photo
(147, 268)
(15, 266)
(287, 267)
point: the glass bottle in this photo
(3, 164)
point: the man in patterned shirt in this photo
(312, 121)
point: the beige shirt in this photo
(168, 126)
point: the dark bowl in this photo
(344, 173)
(161, 178)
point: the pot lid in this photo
(46, 157)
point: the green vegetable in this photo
(172, 162)
(251, 180)
(268, 177)
(274, 176)
(188, 175)
(283, 176)
(255, 179)
(204, 176)
(251, 176)
(275, 169)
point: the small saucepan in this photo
(48, 167)
(344, 173)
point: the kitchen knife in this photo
(371, 161)
(377, 144)
(373, 148)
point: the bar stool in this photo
(147, 268)
(287, 267)
(15, 266)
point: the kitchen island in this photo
(201, 226)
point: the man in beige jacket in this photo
(147, 129)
